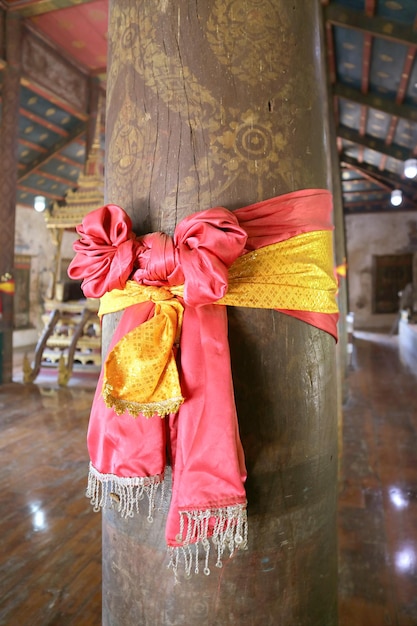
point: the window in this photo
(392, 272)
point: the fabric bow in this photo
(169, 355)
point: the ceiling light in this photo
(410, 168)
(40, 204)
(396, 197)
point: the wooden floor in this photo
(50, 541)
(50, 558)
(378, 499)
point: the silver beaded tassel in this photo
(230, 532)
(124, 494)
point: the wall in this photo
(32, 238)
(368, 235)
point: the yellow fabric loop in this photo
(141, 367)
(133, 293)
(295, 274)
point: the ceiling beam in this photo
(375, 101)
(363, 194)
(358, 183)
(30, 8)
(354, 164)
(36, 119)
(375, 25)
(372, 173)
(379, 145)
(41, 160)
(44, 192)
(383, 178)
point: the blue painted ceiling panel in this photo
(397, 10)
(378, 123)
(406, 134)
(75, 151)
(56, 167)
(386, 66)
(348, 50)
(349, 113)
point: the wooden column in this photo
(223, 102)
(8, 179)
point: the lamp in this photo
(39, 204)
(410, 168)
(396, 197)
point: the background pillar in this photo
(223, 102)
(8, 180)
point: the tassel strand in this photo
(123, 493)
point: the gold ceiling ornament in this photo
(394, 6)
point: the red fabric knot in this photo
(208, 243)
(105, 251)
(157, 261)
(199, 255)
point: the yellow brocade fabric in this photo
(295, 274)
(141, 367)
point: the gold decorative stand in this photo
(71, 334)
(72, 329)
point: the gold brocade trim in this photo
(147, 409)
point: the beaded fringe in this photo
(124, 494)
(230, 532)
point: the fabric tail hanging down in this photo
(165, 392)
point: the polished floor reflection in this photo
(50, 541)
(50, 556)
(378, 499)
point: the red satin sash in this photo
(201, 442)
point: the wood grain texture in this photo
(222, 103)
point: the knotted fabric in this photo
(169, 356)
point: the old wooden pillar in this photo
(223, 102)
(8, 181)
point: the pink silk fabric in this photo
(201, 442)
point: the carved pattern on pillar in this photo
(259, 23)
(247, 145)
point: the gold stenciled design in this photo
(249, 143)
(244, 145)
(233, 24)
(168, 79)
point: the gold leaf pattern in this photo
(235, 22)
